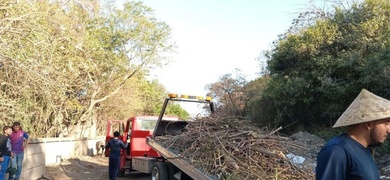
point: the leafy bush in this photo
(329, 133)
(384, 149)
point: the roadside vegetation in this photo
(315, 70)
(66, 67)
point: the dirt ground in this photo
(83, 167)
(86, 167)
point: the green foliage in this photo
(177, 110)
(329, 133)
(384, 149)
(256, 103)
(62, 59)
(139, 96)
(317, 71)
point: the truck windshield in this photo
(148, 124)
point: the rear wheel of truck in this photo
(159, 171)
(172, 170)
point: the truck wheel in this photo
(159, 171)
(171, 171)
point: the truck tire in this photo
(159, 171)
(171, 169)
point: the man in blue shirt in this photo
(115, 145)
(348, 155)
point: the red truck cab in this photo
(134, 131)
(142, 127)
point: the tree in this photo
(175, 109)
(62, 59)
(256, 105)
(318, 70)
(137, 97)
(229, 94)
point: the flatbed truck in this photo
(145, 154)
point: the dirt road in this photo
(84, 168)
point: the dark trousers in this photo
(113, 167)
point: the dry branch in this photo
(229, 148)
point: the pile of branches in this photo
(230, 148)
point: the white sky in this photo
(214, 37)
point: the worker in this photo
(100, 147)
(5, 150)
(19, 143)
(349, 155)
(114, 145)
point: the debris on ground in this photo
(230, 148)
(309, 147)
(382, 160)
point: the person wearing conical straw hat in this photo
(348, 156)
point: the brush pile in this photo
(229, 148)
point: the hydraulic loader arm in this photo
(160, 126)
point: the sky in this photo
(214, 37)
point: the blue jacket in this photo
(115, 146)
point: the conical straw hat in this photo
(365, 108)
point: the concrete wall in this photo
(45, 151)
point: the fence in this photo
(45, 151)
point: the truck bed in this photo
(178, 161)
